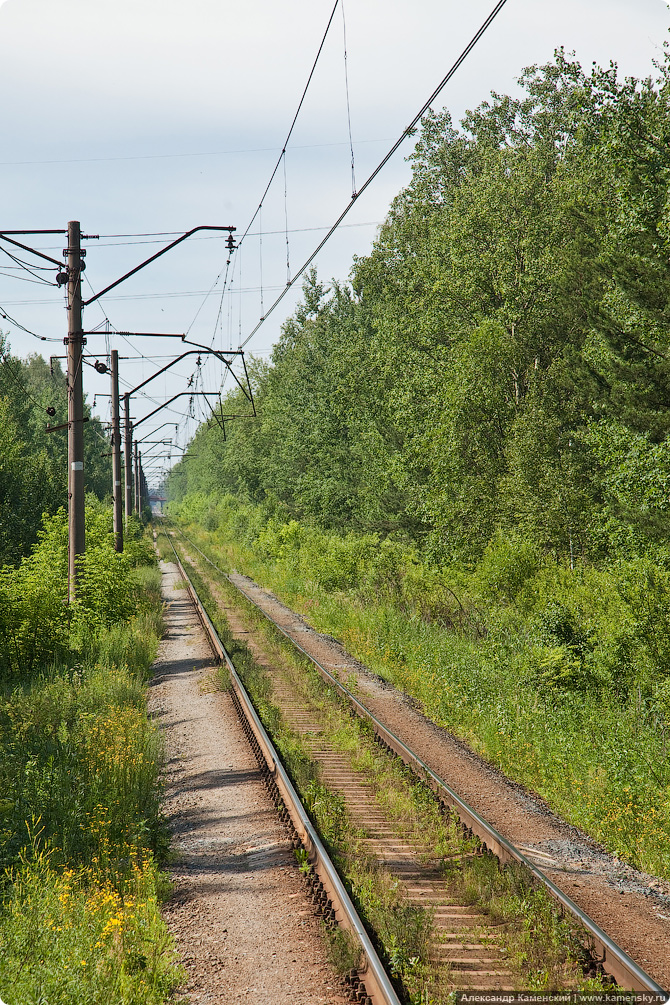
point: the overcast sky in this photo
(143, 116)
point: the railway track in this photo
(467, 951)
(369, 984)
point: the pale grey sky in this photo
(137, 116)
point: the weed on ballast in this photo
(539, 939)
(400, 931)
(162, 543)
(344, 952)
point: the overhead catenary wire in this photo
(288, 250)
(355, 195)
(26, 268)
(148, 397)
(137, 351)
(260, 254)
(407, 131)
(6, 359)
(292, 127)
(13, 321)
(24, 279)
(239, 257)
(346, 91)
(114, 331)
(220, 311)
(266, 233)
(205, 237)
(189, 153)
(282, 160)
(209, 293)
(110, 325)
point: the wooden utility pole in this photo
(144, 495)
(75, 342)
(137, 480)
(140, 487)
(127, 456)
(116, 454)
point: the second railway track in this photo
(467, 951)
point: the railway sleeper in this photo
(448, 811)
(591, 966)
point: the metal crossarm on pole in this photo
(148, 261)
(33, 251)
(182, 394)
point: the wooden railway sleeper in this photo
(447, 811)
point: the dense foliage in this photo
(499, 360)
(33, 463)
(37, 625)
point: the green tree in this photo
(33, 462)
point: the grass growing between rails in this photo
(541, 946)
(81, 833)
(560, 677)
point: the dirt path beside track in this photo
(243, 925)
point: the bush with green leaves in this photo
(37, 625)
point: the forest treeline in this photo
(499, 363)
(33, 462)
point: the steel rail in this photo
(614, 960)
(378, 986)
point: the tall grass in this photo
(65, 937)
